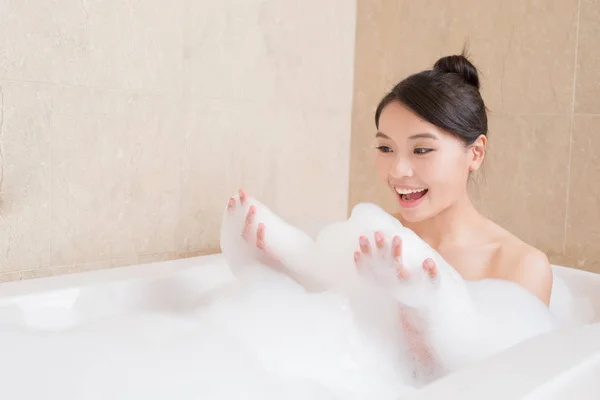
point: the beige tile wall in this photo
(540, 62)
(124, 126)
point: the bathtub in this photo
(559, 365)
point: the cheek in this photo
(447, 171)
(382, 164)
(459, 172)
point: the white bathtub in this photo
(561, 365)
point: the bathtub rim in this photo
(452, 384)
(142, 271)
(152, 270)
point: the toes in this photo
(243, 196)
(430, 268)
(247, 233)
(379, 241)
(397, 248)
(357, 258)
(231, 205)
(260, 236)
(401, 271)
(364, 244)
(395, 263)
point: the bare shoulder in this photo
(533, 271)
(525, 265)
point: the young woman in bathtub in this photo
(431, 135)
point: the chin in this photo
(413, 216)
(418, 214)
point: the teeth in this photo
(408, 191)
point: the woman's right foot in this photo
(243, 233)
(252, 233)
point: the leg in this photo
(382, 266)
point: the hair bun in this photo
(459, 65)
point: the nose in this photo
(402, 168)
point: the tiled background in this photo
(540, 62)
(125, 125)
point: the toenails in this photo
(430, 268)
(251, 227)
(248, 225)
(379, 240)
(357, 258)
(243, 196)
(364, 244)
(260, 236)
(231, 205)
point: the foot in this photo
(252, 233)
(243, 233)
(380, 261)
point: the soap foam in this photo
(462, 321)
(265, 336)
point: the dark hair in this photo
(446, 96)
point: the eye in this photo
(384, 149)
(422, 150)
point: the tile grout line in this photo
(185, 106)
(50, 196)
(572, 126)
(1, 142)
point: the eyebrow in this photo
(416, 136)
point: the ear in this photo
(477, 153)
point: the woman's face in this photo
(425, 167)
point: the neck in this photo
(450, 226)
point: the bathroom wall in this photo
(540, 62)
(125, 125)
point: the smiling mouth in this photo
(410, 195)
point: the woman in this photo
(431, 135)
